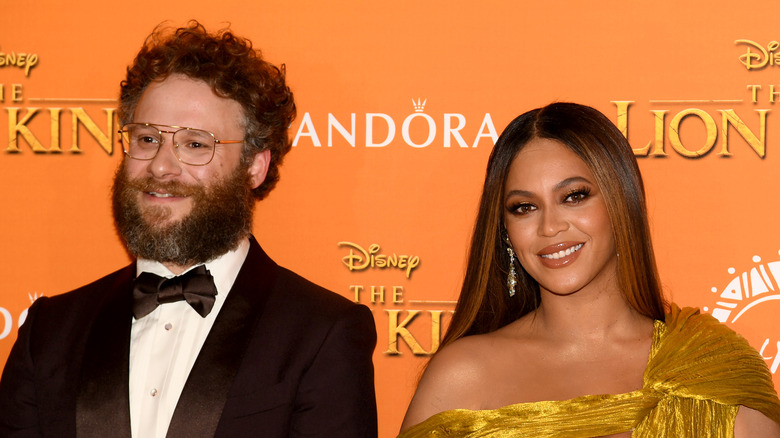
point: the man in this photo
(149, 352)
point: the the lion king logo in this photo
(744, 292)
(747, 290)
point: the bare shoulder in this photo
(452, 380)
(751, 423)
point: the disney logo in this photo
(359, 259)
(22, 60)
(761, 57)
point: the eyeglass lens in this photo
(193, 146)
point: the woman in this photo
(561, 328)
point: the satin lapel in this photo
(103, 405)
(201, 402)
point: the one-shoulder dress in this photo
(698, 374)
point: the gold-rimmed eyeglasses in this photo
(142, 141)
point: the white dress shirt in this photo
(165, 343)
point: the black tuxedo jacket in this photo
(285, 358)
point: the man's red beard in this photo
(220, 217)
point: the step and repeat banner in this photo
(399, 105)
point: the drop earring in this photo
(511, 278)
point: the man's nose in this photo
(166, 163)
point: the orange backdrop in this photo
(693, 85)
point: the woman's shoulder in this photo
(452, 379)
(472, 357)
(462, 365)
(456, 377)
(691, 326)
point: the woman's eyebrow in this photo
(569, 181)
(566, 182)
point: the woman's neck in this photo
(587, 317)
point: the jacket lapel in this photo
(201, 402)
(102, 406)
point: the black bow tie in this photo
(196, 287)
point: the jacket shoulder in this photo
(298, 288)
(89, 296)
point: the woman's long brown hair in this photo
(484, 304)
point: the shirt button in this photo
(168, 326)
(153, 392)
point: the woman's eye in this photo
(522, 208)
(577, 196)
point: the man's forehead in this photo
(180, 100)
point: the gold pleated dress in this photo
(698, 374)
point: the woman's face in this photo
(557, 220)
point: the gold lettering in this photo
(32, 60)
(622, 125)
(773, 94)
(660, 118)
(413, 263)
(355, 262)
(2, 93)
(753, 60)
(674, 132)
(731, 118)
(16, 127)
(622, 115)
(395, 330)
(22, 60)
(754, 92)
(356, 289)
(380, 294)
(16, 92)
(398, 294)
(435, 330)
(103, 139)
(359, 259)
(54, 116)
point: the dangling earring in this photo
(511, 278)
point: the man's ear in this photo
(259, 168)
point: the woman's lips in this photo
(561, 254)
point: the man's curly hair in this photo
(234, 70)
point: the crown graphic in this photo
(33, 296)
(419, 106)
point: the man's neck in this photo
(177, 269)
